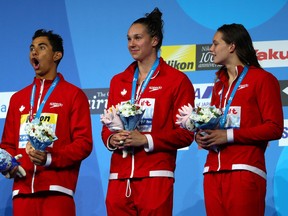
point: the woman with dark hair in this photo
(142, 182)
(249, 96)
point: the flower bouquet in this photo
(7, 163)
(194, 119)
(40, 135)
(125, 116)
(130, 114)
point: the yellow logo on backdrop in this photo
(181, 57)
(50, 118)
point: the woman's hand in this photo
(207, 138)
(136, 139)
(118, 139)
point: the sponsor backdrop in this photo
(95, 40)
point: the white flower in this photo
(206, 117)
(203, 115)
(127, 109)
(42, 131)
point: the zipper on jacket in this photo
(40, 93)
(219, 160)
(33, 178)
(38, 104)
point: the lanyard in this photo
(241, 77)
(32, 98)
(145, 83)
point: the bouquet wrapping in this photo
(126, 116)
(194, 119)
(111, 119)
(7, 163)
(40, 135)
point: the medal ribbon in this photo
(145, 82)
(241, 77)
(32, 98)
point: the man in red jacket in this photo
(51, 175)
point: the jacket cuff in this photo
(230, 135)
(48, 160)
(150, 147)
(109, 147)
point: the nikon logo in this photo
(183, 66)
(181, 57)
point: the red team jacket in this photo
(255, 116)
(68, 109)
(167, 91)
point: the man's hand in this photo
(37, 157)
